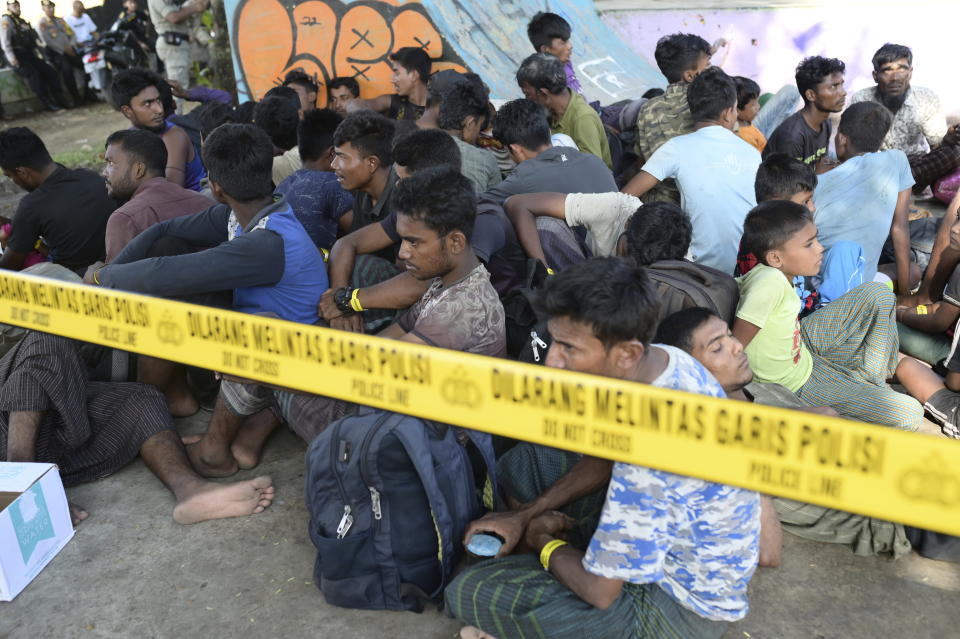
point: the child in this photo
(748, 106)
(867, 197)
(781, 177)
(550, 33)
(713, 168)
(840, 356)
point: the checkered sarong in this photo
(854, 343)
(89, 429)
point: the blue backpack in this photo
(390, 497)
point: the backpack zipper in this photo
(364, 476)
(534, 342)
(346, 521)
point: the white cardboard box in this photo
(34, 523)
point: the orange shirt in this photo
(752, 135)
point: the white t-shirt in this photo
(715, 171)
(83, 27)
(604, 215)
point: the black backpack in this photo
(390, 497)
(682, 284)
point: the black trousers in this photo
(42, 78)
(65, 64)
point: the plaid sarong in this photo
(527, 470)
(367, 271)
(854, 343)
(561, 245)
(514, 598)
(89, 429)
(928, 167)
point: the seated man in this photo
(134, 164)
(411, 70)
(542, 79)
(842, 355)
(137, 95)
(314, 193)
(805, 135)
(460, 311)
(365, 259)
(550, 33)
(670, 556)
(50, 412)
(340, 91)
(520, 126)
(437, 87)
(279, 114)
(867, 197)
(463, 114)
(250, 243)
(68, 208)
(708, 339)
(919, 126)
(923, 327)
(306, 88)
(681, 57)
(717, 194)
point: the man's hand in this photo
(175, 87)
(13, 62)
(509, 526)
(328, 309)
(91, 270)
(352, 323)
(549, 525)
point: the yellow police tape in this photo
(861, 468)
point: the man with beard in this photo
(805, 135)
(919, 126)
(135, 161)
(137, 95)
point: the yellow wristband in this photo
(922, 309)
(96, 276)
(550, 271)
(547, 551)
(355, 301)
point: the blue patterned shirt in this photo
(697, 540)
(318, 201)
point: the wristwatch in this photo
(342, 299)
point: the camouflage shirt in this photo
(660, 119)
(697, 540)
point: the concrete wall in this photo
(767, 44)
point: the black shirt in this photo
(365, 212)
(70, 211)
(401, 108)
(795, 138)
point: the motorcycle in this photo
(114, 50)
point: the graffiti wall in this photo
(328, 38)
(767, 44)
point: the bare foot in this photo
(190, 439)
(252, 437)
(208, 465)
(472, 632)
(220, 501)
(77, 514)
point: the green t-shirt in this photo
(582, 123)
(777, 354)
